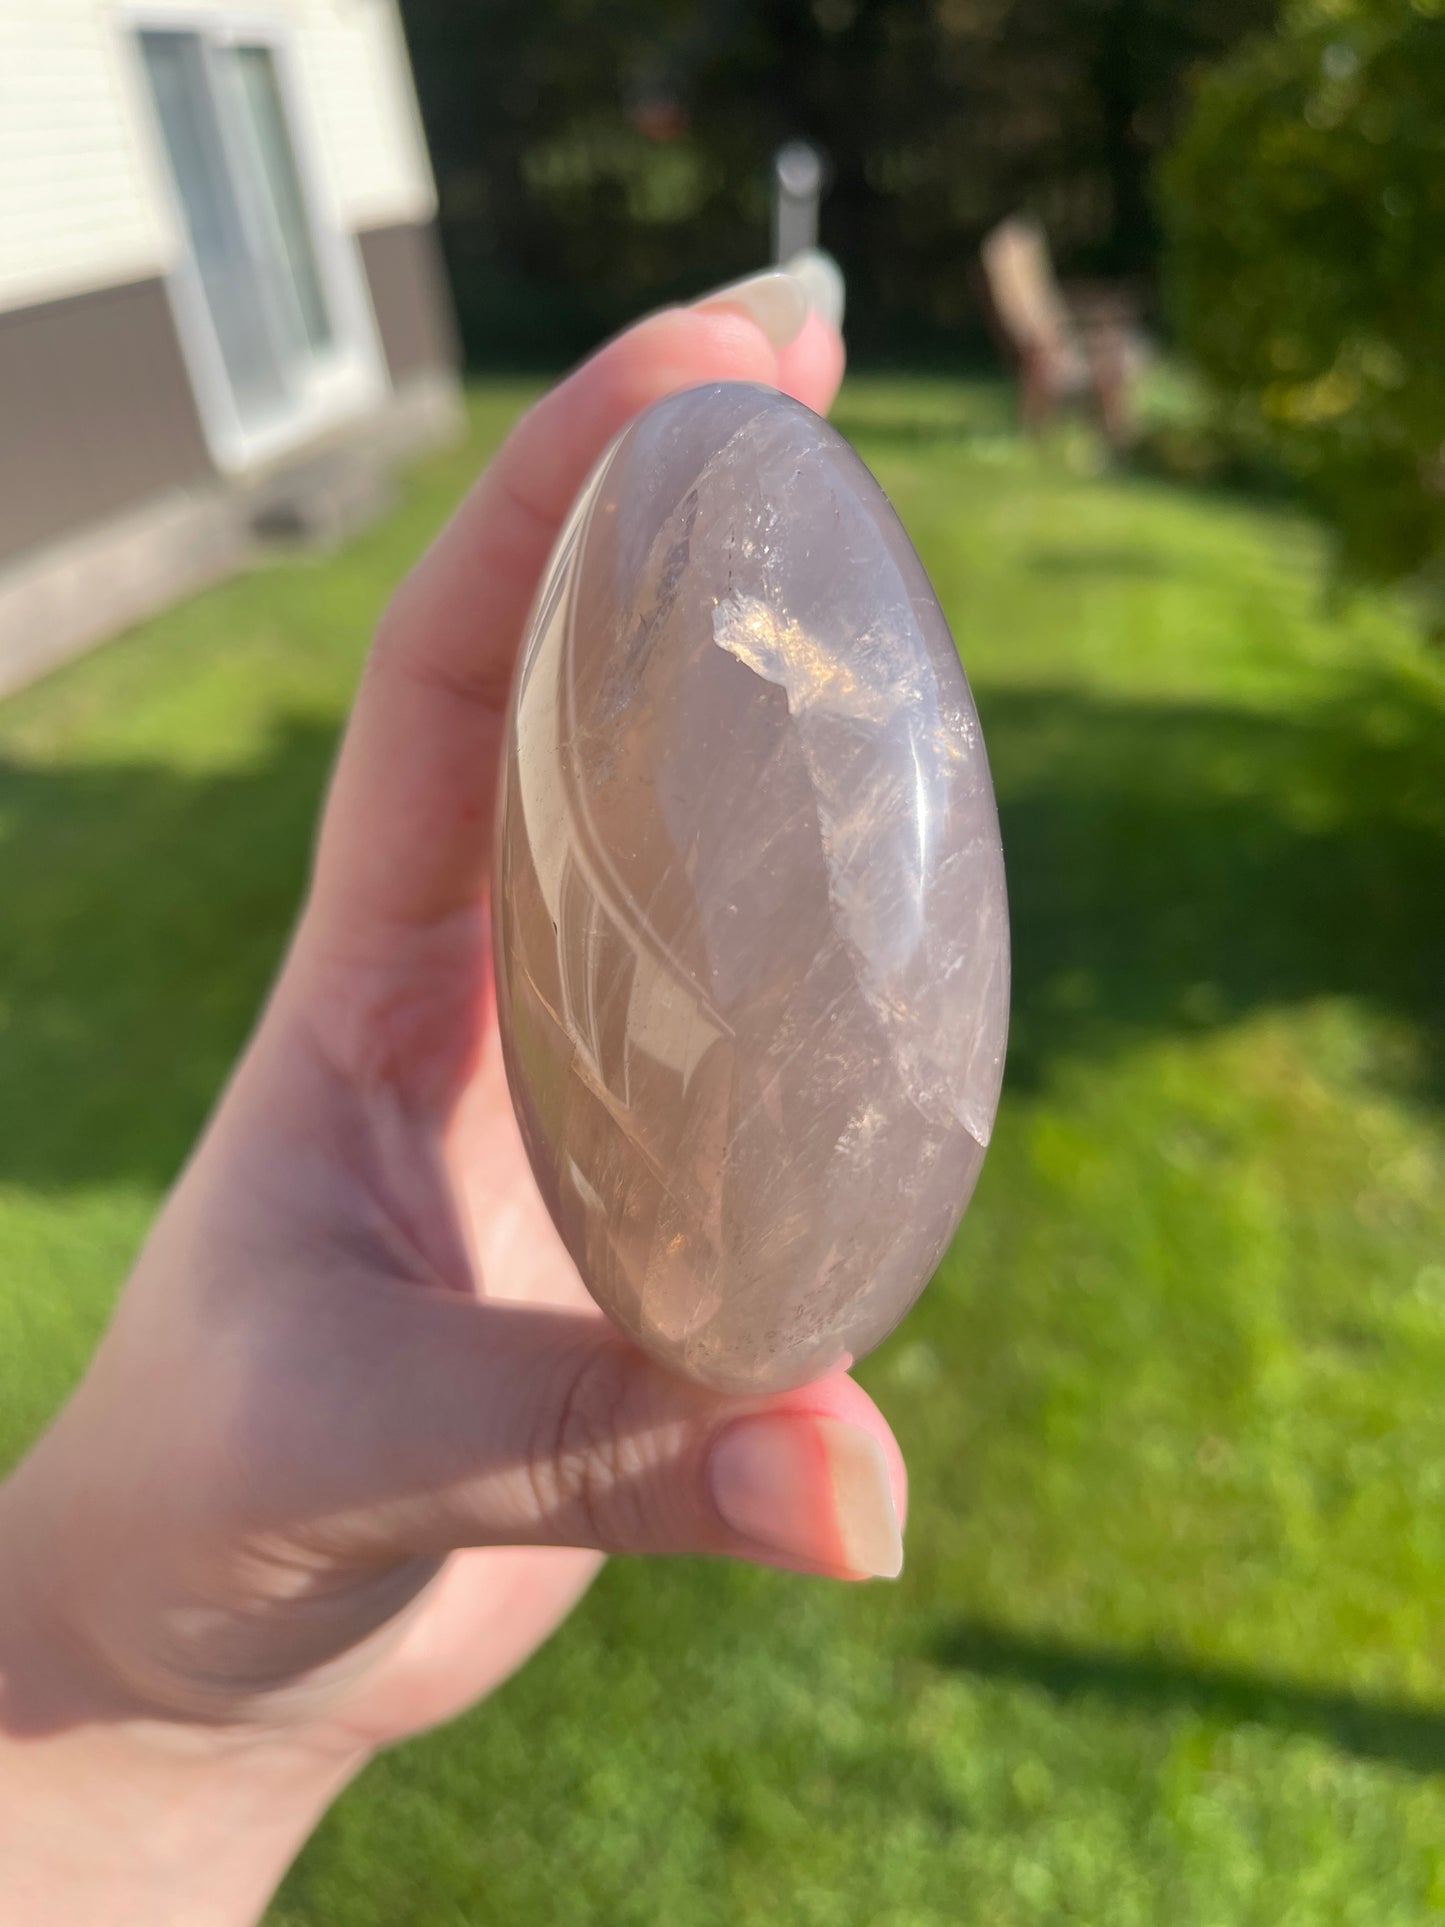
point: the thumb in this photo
(495, 1424)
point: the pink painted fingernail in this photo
(812, 1488)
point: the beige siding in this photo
(353, 57)
(77, 210)
(83, 201)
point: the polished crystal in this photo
(751, 930)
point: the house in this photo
(222, 307)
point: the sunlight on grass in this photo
(1168, 1647)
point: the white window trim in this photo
(361, 380)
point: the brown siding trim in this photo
(96, 412)
(411, 297)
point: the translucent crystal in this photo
(751, 929)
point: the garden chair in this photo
(1062, 351)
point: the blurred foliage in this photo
(596, 157)
(1306, 212)
(1184, 434)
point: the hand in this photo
(353, 1343)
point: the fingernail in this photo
(810, 1487)
(823, 283)
(776, 301)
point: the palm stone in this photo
(751, 930)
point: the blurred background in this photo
(1146, 301)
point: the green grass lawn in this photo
(1170, 1645)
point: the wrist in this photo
(109, 1825)
(110, 1813)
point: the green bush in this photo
(1305, 214)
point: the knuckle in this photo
(594, 1472)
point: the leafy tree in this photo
(1306, 212)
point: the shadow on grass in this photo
(1174, 867)
(1171, 868)
(1098, 562)
(145, 912)
(907, 431)
(1393, 1731)
(925, 414)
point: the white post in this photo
(797, 190)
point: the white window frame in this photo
(353, 379)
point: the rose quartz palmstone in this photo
(751, 931)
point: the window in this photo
(290, 258)
(278, 323)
